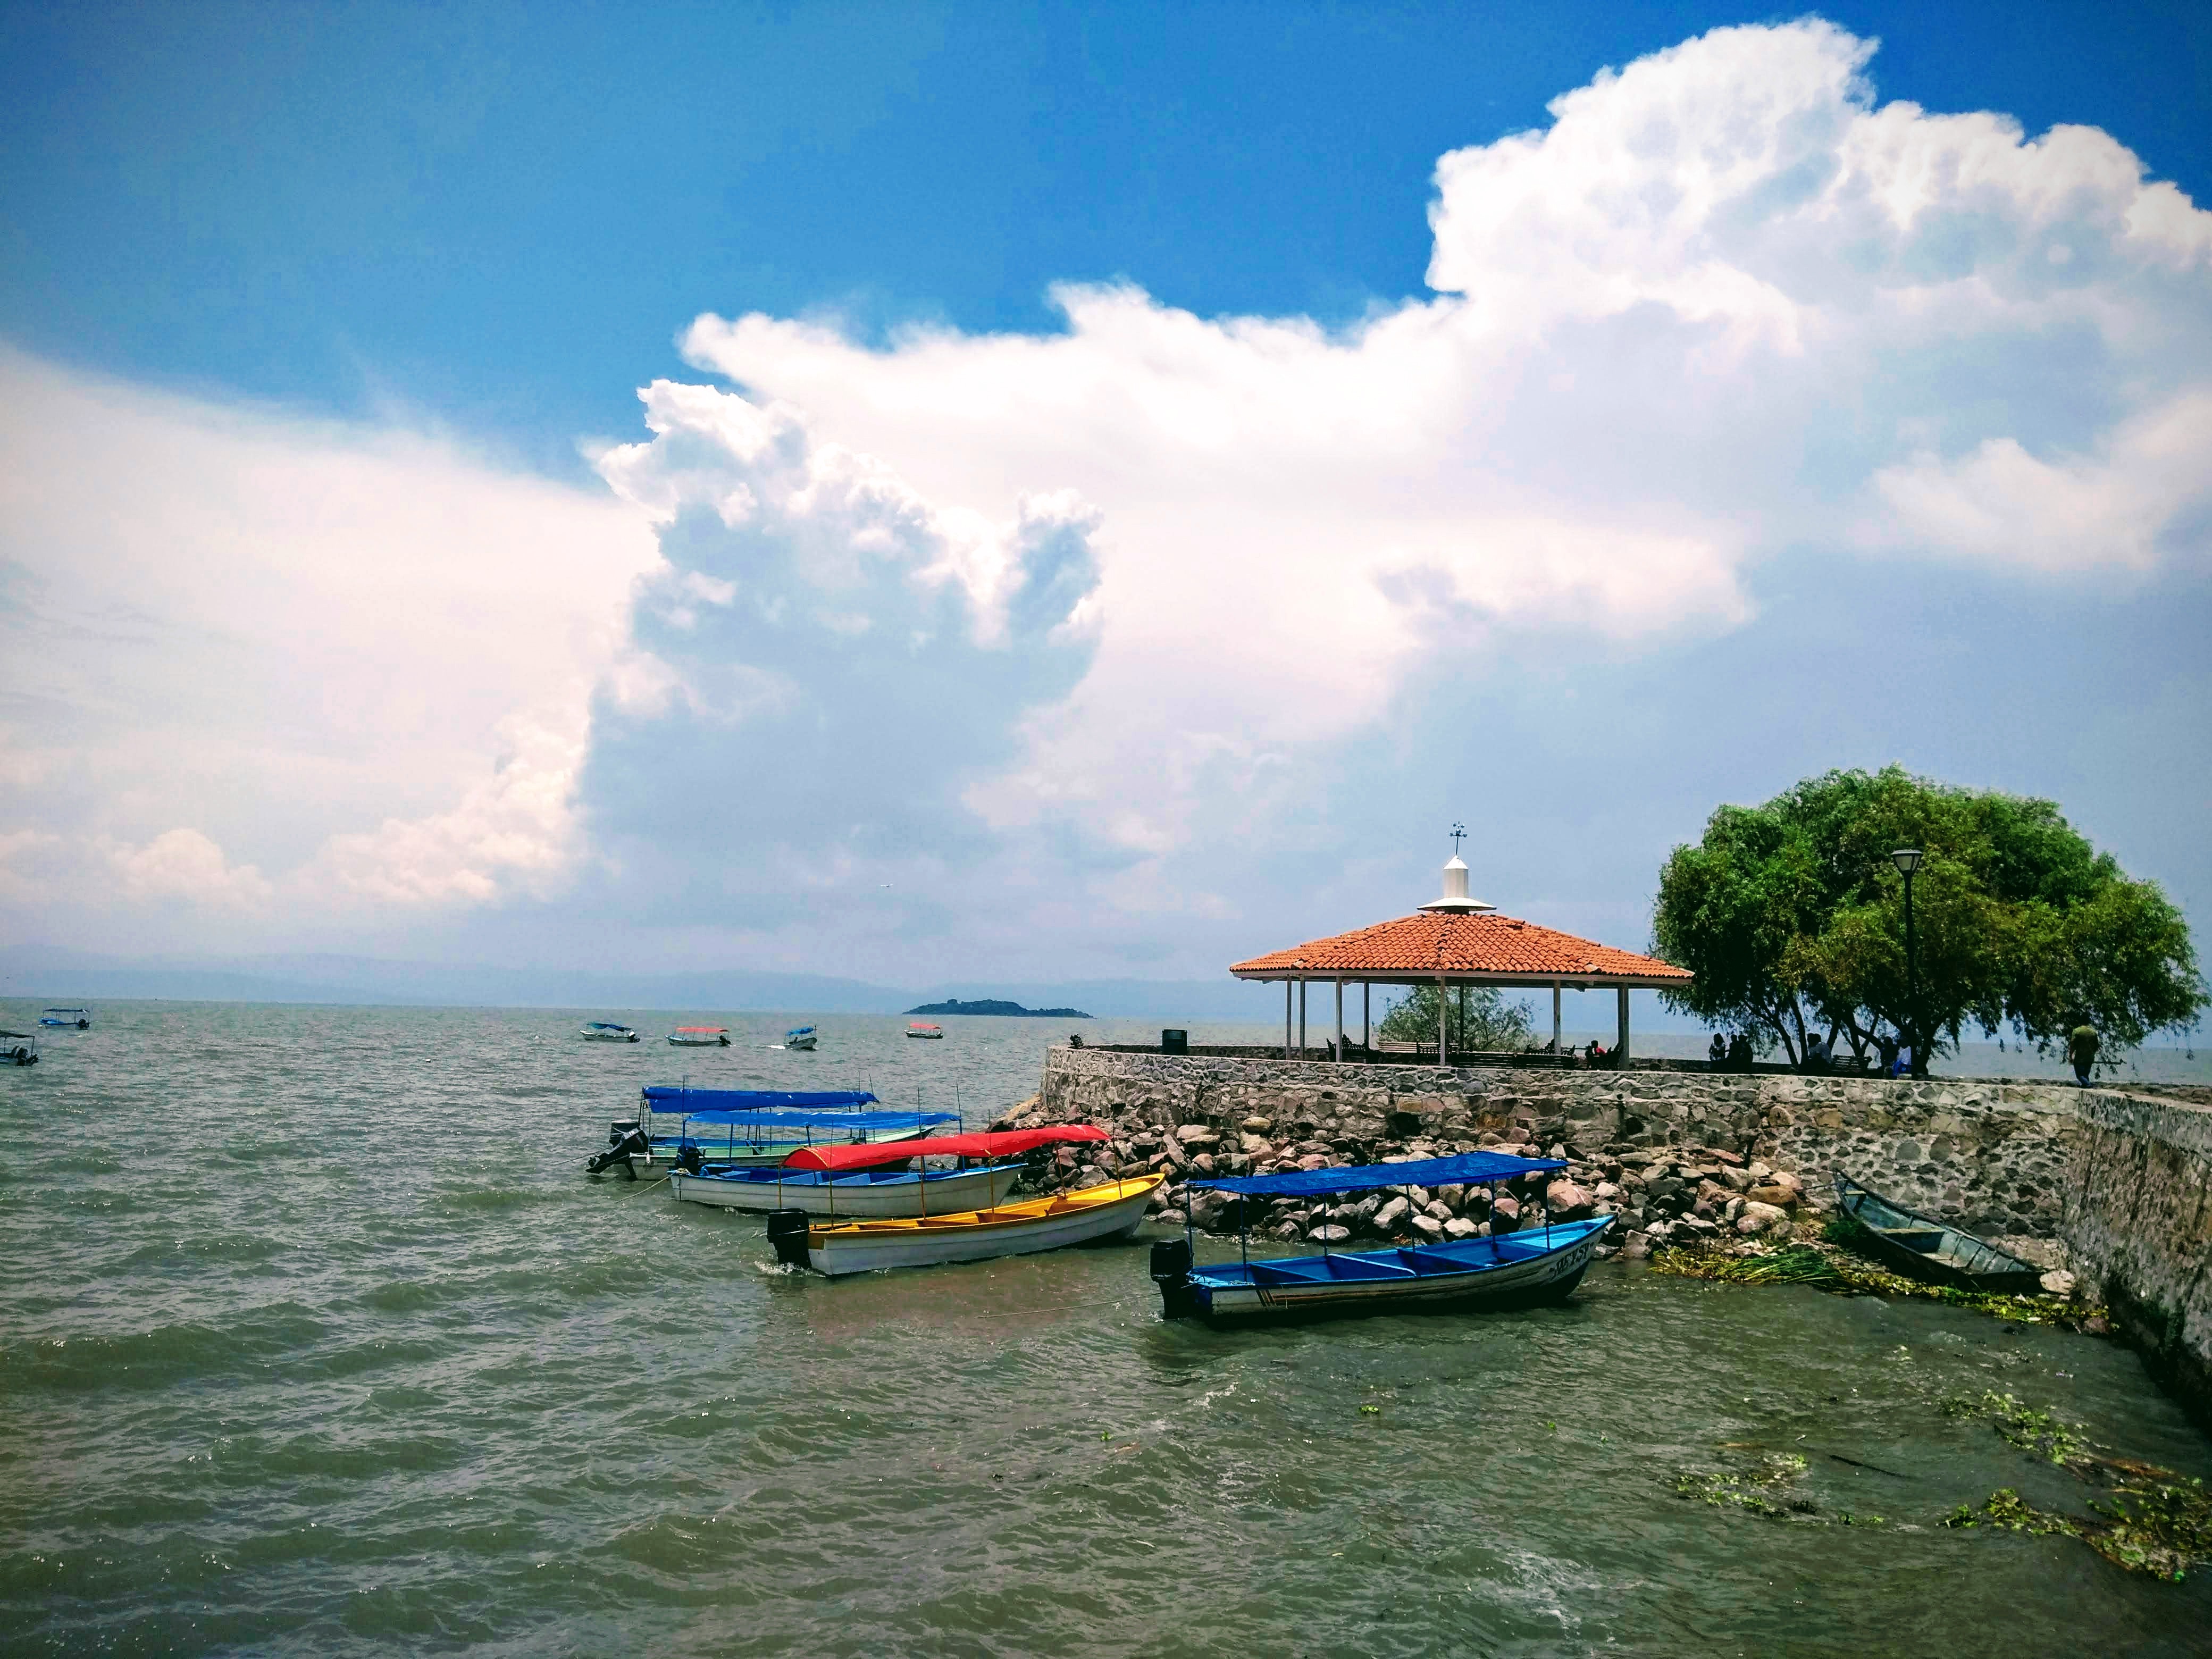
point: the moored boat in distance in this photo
(60, 1018)
(916, 1027)
(1537, 1264)
(856, 1182)
(700, 1036)
(799, 1039)
(1923, 1247)
(19, 1047)
(605, 1030)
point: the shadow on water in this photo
(324, 1343)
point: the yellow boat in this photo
(1040, 1224)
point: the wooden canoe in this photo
(1925, 1247)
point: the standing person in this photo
(1716, 1056)
(2082, 1049)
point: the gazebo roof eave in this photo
(1430, 976)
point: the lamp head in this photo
(1907, 858)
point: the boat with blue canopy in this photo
(1542, 1262)
(67, 1018)
(748, 1129)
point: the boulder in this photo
(1505, 1212)
(1314, 1161)
(1392, 1215)
(1258, 1125)
(2059, 1282)
(1739, 1180)
(1093, 1177)
(1171, 1219)
(1288, 1230)
(1637, 1247)
(1438, 1209)
(1328, 1233)
(1429, 1229)
(1459, 1227)
(1196, 1134)
(1569, 1202)
(1758, 1217)
(1775, 1194)
(1203, 1164)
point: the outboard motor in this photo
(688, 1158)
(1171, 1272)
(787, 1232)
(625, 1141)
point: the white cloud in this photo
(1724, 304)
(356, 665)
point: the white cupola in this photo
(1455, 900)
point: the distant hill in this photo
(1011, 1009)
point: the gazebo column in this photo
(1340, 1019)
(1366, 1019)
(1620, 1047)
(1302, 1019)
(1555, 1017)
(1444, 1022)
(1286, 1020)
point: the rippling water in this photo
(313, 1337)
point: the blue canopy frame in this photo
(1460, 1170)
(679, 1098)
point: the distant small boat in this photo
(700, 1036)
(801, 1038)
(19, 1049)
(80, 1018)
(915, 1028)
(601, 1030)
(1923, 1247)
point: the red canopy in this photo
(1006, 1143)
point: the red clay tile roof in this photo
(1442, 942)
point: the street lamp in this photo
(1907, 859)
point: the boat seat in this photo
(1926, 1240)
(1271, 1272)
(1356, 1267)
(1436, 1261)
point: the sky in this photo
(1039, 493)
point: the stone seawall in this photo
(2140, 1225)
(2118, 1186)
(1993, 1154)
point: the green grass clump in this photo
(1758, 1489)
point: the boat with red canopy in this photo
(1107, 1211)
(876, 1182)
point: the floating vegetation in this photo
(1835, 1268)
(1759, 1490)
(2151, 1521)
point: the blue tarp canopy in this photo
(833, 1123)
(675, 1097)
(1467, 1170)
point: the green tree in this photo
(1791, 916)
(1480, 1016)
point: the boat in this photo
(78, 1018)
(748, 1129)
(604, 1031)
(1110, 1210)
(799, 1039)
(1923, 1247)
(856, 1183)
(19, 1049)
(700, 1036)
(915, 1028)
(1537, 1264)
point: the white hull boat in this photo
(870, 1195)
(700, 1036)
(600, 1030)
(1046, 1224)
(800, 1042)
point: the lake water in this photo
(314, 1338)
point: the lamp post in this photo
(1907, 859)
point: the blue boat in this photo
(748, 1129)
(65, 1018)
(1543, 1262)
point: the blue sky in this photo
(949, 623)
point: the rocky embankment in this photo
(1665, 1195)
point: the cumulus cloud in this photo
(253, 658)
(1723, 305)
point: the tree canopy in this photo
(1480, 1018)
(1791, 915)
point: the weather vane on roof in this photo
(1458, 835)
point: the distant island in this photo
(1015, 1009)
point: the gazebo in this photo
(1450, 941)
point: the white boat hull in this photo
(945, 1192)
(835, 1251)
(1507, 1283)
